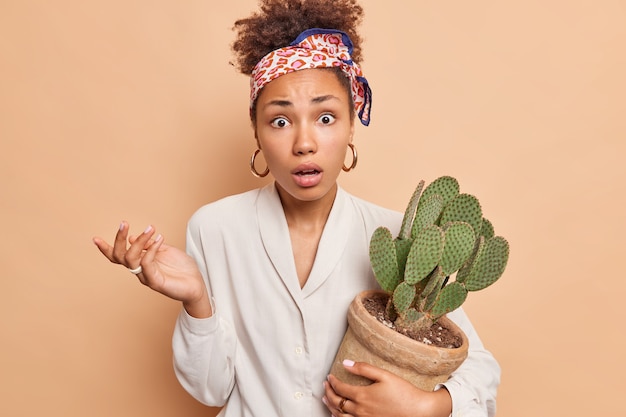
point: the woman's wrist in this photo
(440, 403)
(199, 308)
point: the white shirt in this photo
(269, 344)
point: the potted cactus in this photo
(445, 249)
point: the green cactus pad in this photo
(486, 229)
(424, 254)
(431, 290)
(489, 264)
(464, 208)
(429, 302)
(427, 213)
(434, 281)
(403, 246)
(467, 266)
(412, 315)
(458, 246)
(447, 187)
(413, 321)
(409, 213)
(382, 252)
(450, 298)
(403, 297)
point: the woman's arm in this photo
(473, 387)
(204, 347)
(203, 344)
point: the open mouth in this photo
(307, 172)
(307, 175)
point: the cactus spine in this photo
(443, 235)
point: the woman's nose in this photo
(305, 141)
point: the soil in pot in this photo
(436, 335)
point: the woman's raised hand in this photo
(163, 268)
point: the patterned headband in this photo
(315, 48)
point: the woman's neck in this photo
(306, 221)
(309, 215)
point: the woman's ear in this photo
(256, 139)
(352, 131)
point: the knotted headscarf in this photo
(315, 48)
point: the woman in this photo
(270, 273)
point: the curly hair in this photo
(279, 22)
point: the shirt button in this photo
(299, 350)
(298, 395)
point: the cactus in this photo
(443, 236)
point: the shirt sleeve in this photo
(204, 349)
(473, 386)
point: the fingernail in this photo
(159, 237)
(121, 225)
(324, 400)
(348, 362)
(148, 229)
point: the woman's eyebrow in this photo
(322, 99)
(314, 100)
(281, 103)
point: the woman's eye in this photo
(327, 119)
(280, 122)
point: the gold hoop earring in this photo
(355, 158)
(253, 169)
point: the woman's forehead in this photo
(303, 84)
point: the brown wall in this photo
(114, 110)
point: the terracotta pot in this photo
(368, 340)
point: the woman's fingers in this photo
(116, 252)
(119, 245)
(152, 249)
(132, 257)
(104, 248)
(147, 260)
(120, 252)
(335, 403)
(132, 239)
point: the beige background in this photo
(114, 110)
